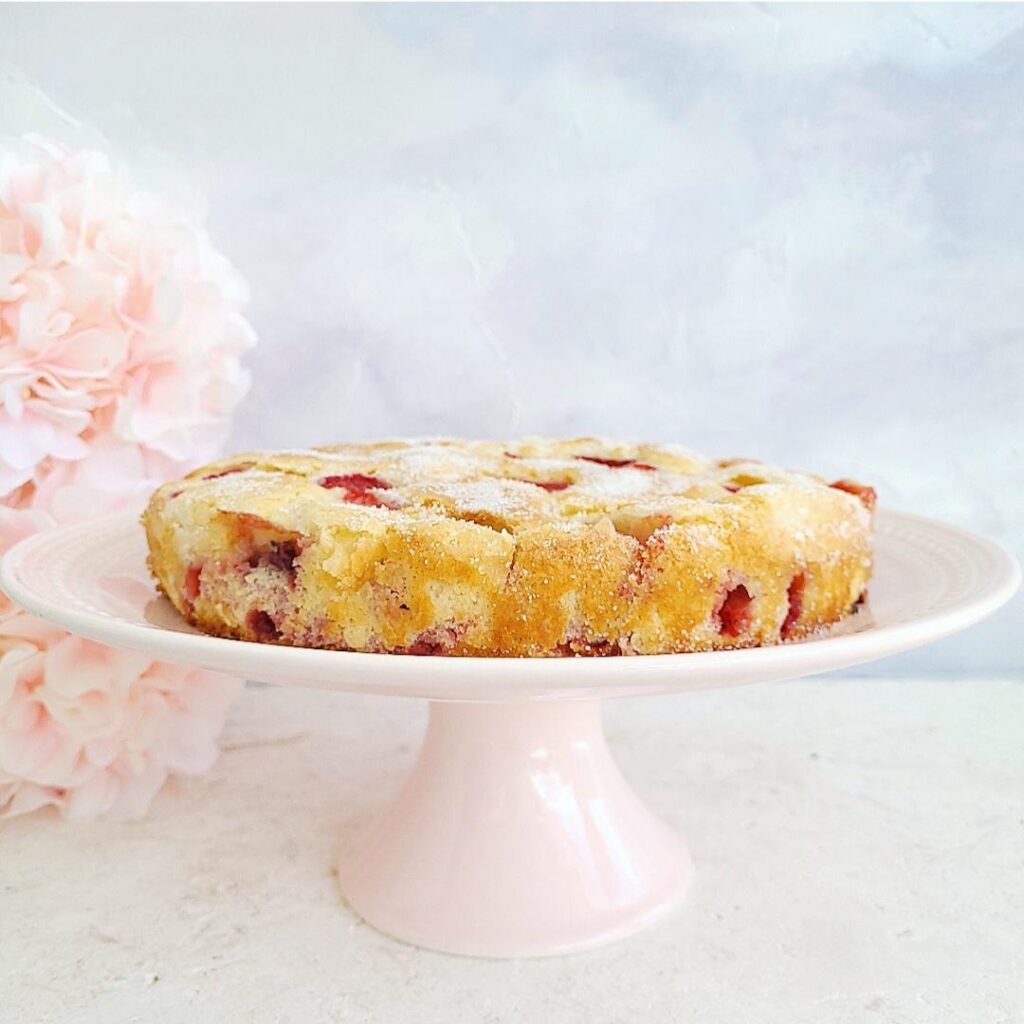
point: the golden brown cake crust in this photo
(532, 548)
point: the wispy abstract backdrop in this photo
(794, 232)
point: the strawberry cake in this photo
(537, 548)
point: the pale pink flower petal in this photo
(92, 797)
(45, 239)
(121, 331)
(11, 267)
(136, 789)
(20, 797)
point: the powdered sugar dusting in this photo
(506, 485)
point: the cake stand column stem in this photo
(515, 834)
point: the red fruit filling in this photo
(279, 554)
(795, 597)
(436, 640)
(549, 485)
(868, 496)
(191, 588)
(734, 614)
(580, 648)
(618, 463)
(357, 488)
(225, 472)
(731, 488)
(260, 623)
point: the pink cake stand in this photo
(515, 833)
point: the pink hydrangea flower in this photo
(93, 730)
(121, 332)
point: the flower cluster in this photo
(94, 730)
(121, 334)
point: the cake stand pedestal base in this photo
(515, 835)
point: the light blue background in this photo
(793, 232)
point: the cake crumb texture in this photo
(533, 548)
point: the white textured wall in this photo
(792, 232)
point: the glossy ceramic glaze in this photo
(515, 834)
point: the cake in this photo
(535, 548)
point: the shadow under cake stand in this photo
(515, 834)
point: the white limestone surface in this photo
(859, 846)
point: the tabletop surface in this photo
(858, 846)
